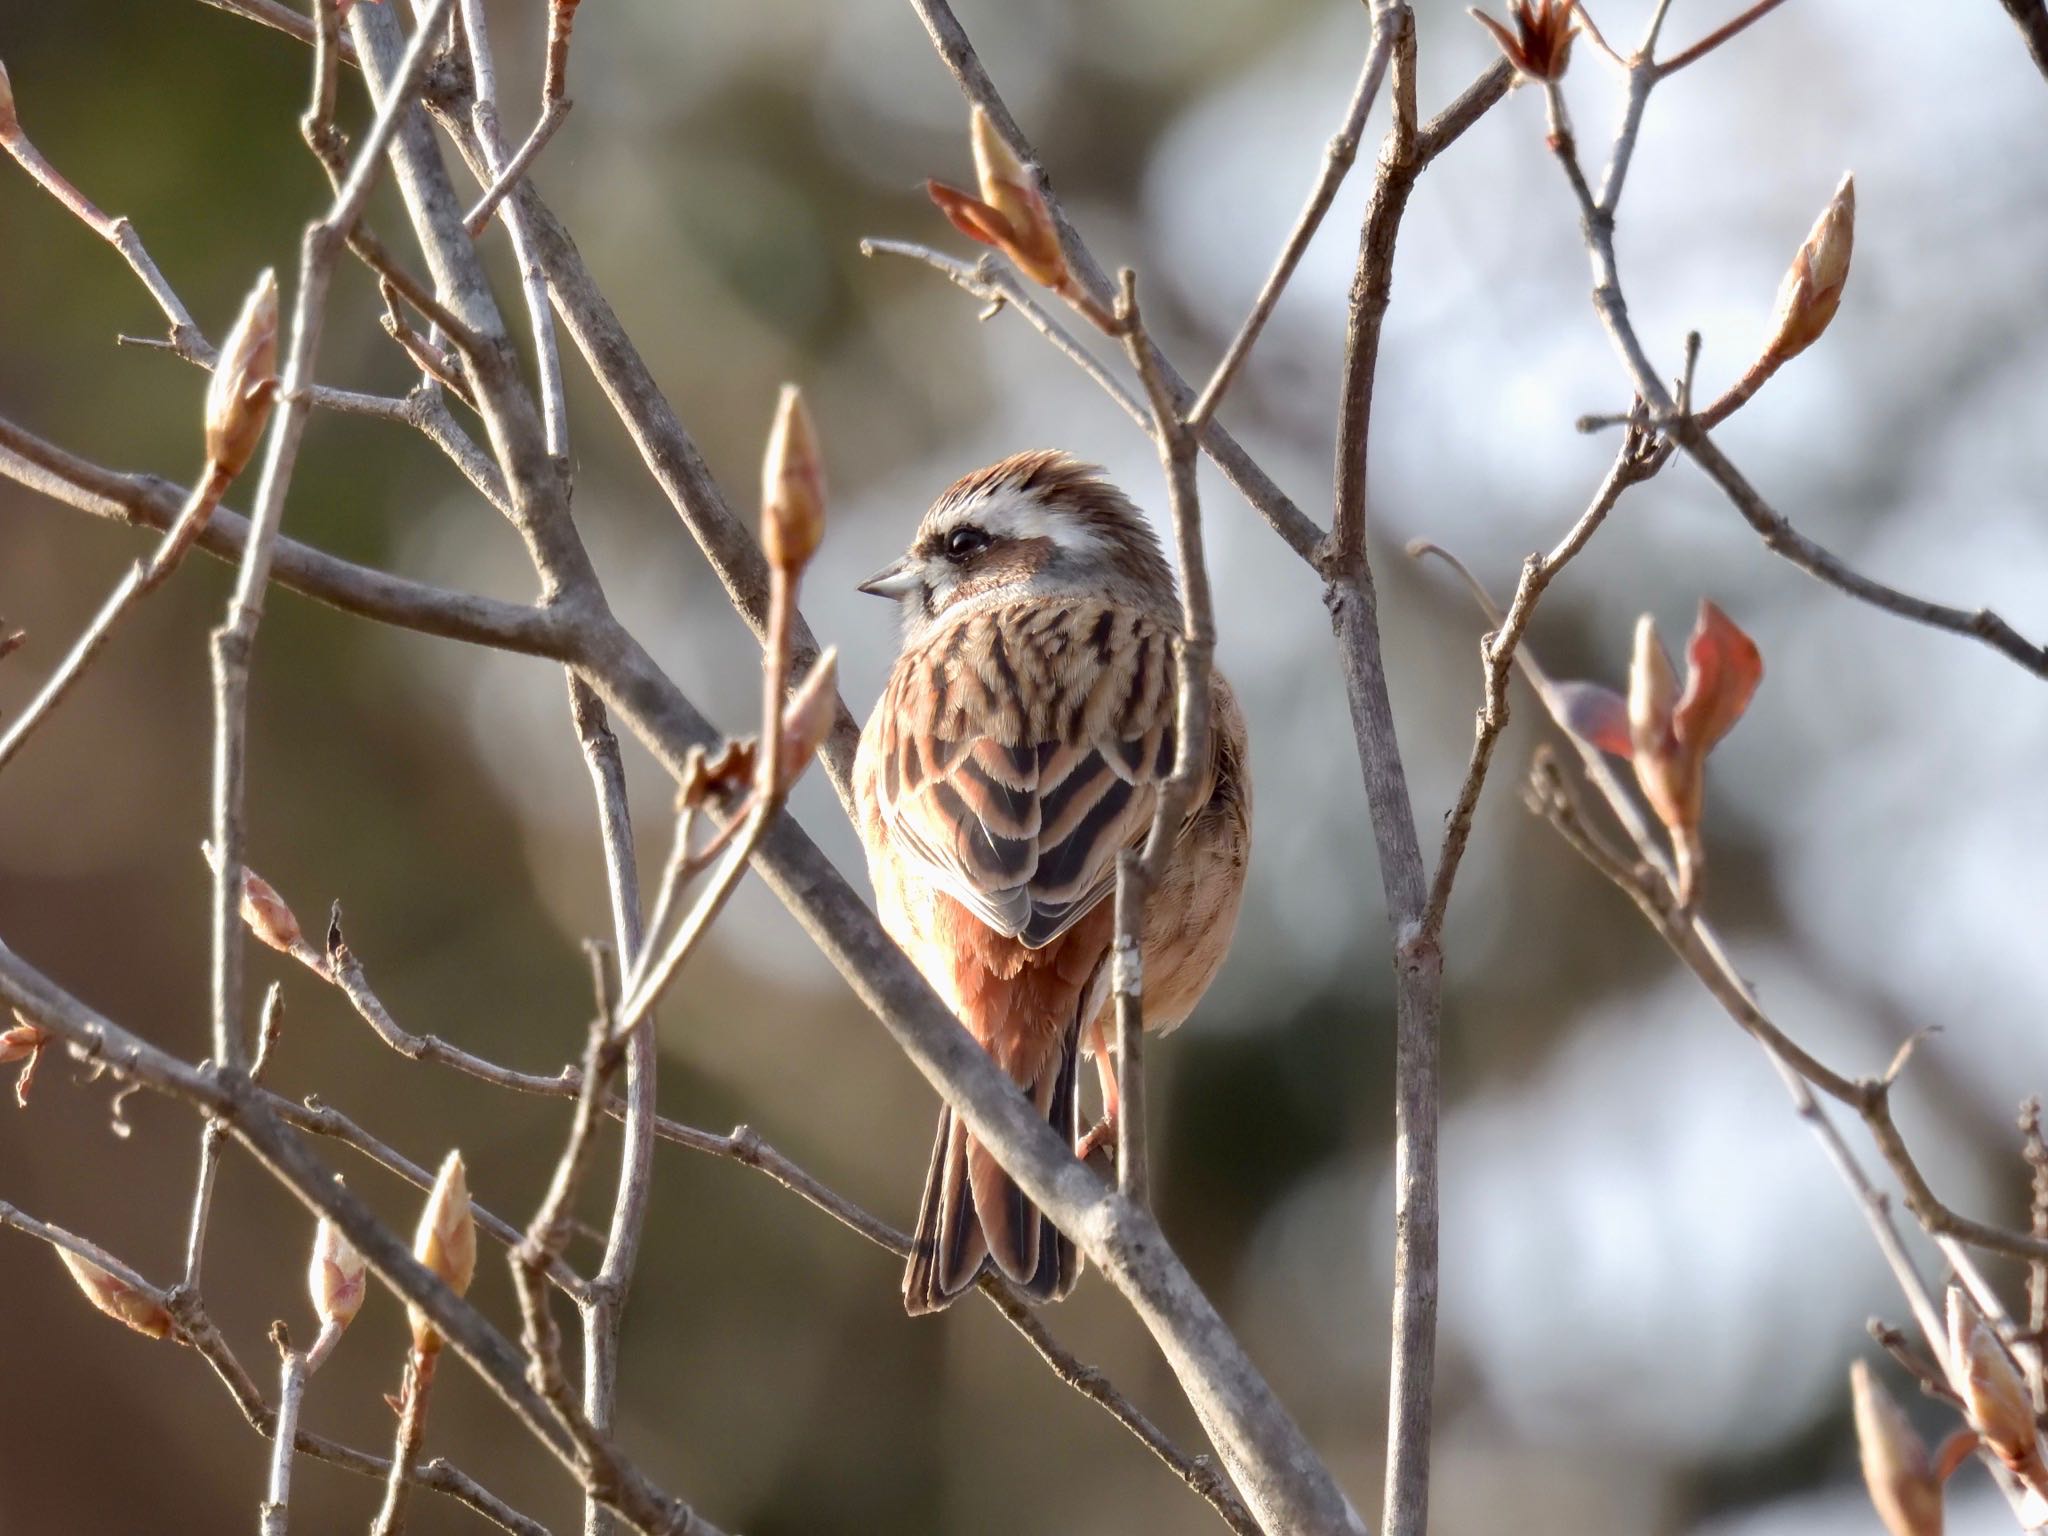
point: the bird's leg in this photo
(1103, 1133)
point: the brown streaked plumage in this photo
(1017, 749)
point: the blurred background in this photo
(1652, 1283)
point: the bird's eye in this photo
(965, 541)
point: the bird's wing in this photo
(1020, 751)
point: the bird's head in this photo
(1037, 524)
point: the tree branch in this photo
(1418, 954)
(1275, 1469)
(1596, 222)
(2031, 17)
(235, 640)
(1636, 461)
(197, 1329)
(226, 1093)
(1257, 487)
(150, 501)
(1338, 156)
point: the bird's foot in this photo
(1100, 1138)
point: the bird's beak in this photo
(898, 580)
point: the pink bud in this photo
(125, 1303)
(244, 382)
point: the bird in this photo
(1016, 751)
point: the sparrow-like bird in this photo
(1016, 752)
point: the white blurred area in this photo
(1650, 1270)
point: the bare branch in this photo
(561, 19)
(1138, 876)
(1372, 288)
(1596, 220)
(281, 17)
(214, 1133)
(1266, 498)
(185, 338)
(2031, 17)
(226, 1093)
(1338, 156)
(1716, 38)
(413, 1397)
(509, 174)
(321, 133)
(234, 641)
(143, 578)
(275, 1517)
(991, 281)
(532, 281)
(605, 1298)
(1635, 462)
(197, 1329)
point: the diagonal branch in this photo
(149, 501)
(2031, 17)
(1338, 156)
(1275, 1469)
(1635, 462)
(1257, 487)
(198, 1330)
(227, 1094)
(235, 640)
(185, 338)
(1597, 225)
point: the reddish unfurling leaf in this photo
(1665, 731)
(1723, 668)
(1010, 214)
(1597, 715)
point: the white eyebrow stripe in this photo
(1005, 513)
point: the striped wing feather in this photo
(1022, 752)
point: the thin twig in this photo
(533, 283)
(196, 1327)
(235, 640)
(1597, 225)
(478, 219)
(561, 20)
(1338, 157)
(992, 281)
(413, 1396)
(1633, 463)
(214, 1132)
(548, 1233)
(281, 17)
(143, 578)
(1258, 488)
(1195, 652)
(1716, 38)
(604, 1300)
(291, 1392)
(2035, 1150)
(772, 783)
(323, 136)
(2031, 17)
(185, 338)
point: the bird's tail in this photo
(973, 1214)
